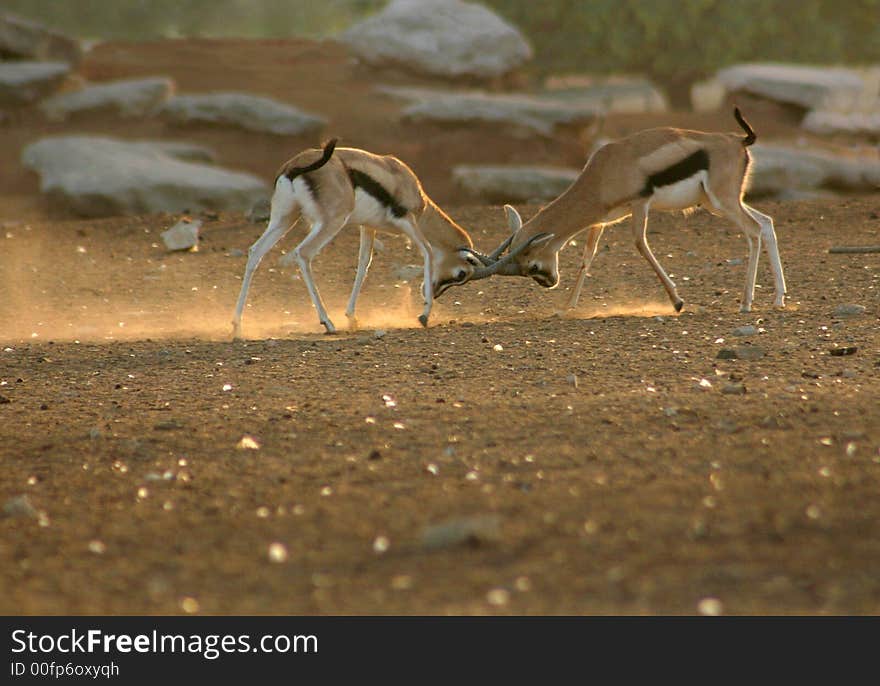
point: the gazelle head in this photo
(467, 264)
(454, 268)
(536, 256)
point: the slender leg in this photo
(769, 235)
(280, 223)
(640, 228)
(751, 272)
(321, 234)
(411, 228)
(589, 253)
(365, 257)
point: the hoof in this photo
(745, 309)
(330, 329)
(678, 305)
(423, 320)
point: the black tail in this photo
(750, 133)
(329, 147)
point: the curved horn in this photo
(506, 266)
(485, 259)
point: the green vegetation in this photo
(679, 41)
(673, 41)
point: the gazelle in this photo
(337, 187)
(662, 168)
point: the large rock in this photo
(498, 184)
(127, 98)
(95, 176)
(822, 122)
(25, 39)
(22, 83)
(252, 112)
(832, 88)
(781, 170)
(520, 111)
(445, 38)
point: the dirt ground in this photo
(506, 460)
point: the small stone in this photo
(849, 310)
(19, 506)
(277, 553)
(476, 530)
(498, 348)
(844, 350)
(248, 443)
(184, 235)
(747, 330)
(381, 545)
(733, 389)
(710, 607)
(743, 352)
(97, 547)
(572, 379)
(498, 596)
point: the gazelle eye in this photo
(460, 274)
(534, 269)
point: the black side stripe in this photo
(690, 165)
(369, 185)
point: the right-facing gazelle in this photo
(663, 168)
(338, 187)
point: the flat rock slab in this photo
(831, 88)
(520, 111)
(22, 83)
(446, 38)
(619, 95)
(25, 39)
(778, 170)
(500, 184)
(825, 123)
(96, 177)
(251, 112)
(126, 97)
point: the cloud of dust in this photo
(80, 310)
(640, 309)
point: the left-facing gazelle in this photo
(665, 169)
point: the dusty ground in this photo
(637, 490)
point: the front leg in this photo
(590, 249)
(411, 228)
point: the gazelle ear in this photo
(469, 257)
(542, 239)
(514, 221)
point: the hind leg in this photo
(768, 233)
(283, 216)
(589, 253)
(365, 258)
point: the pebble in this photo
(475, 530)
(19, 506)
(733, 389)
(747, 330)
(843, 350)
(849, 310)
(743, 352)
(572, 380)
(710, 607)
